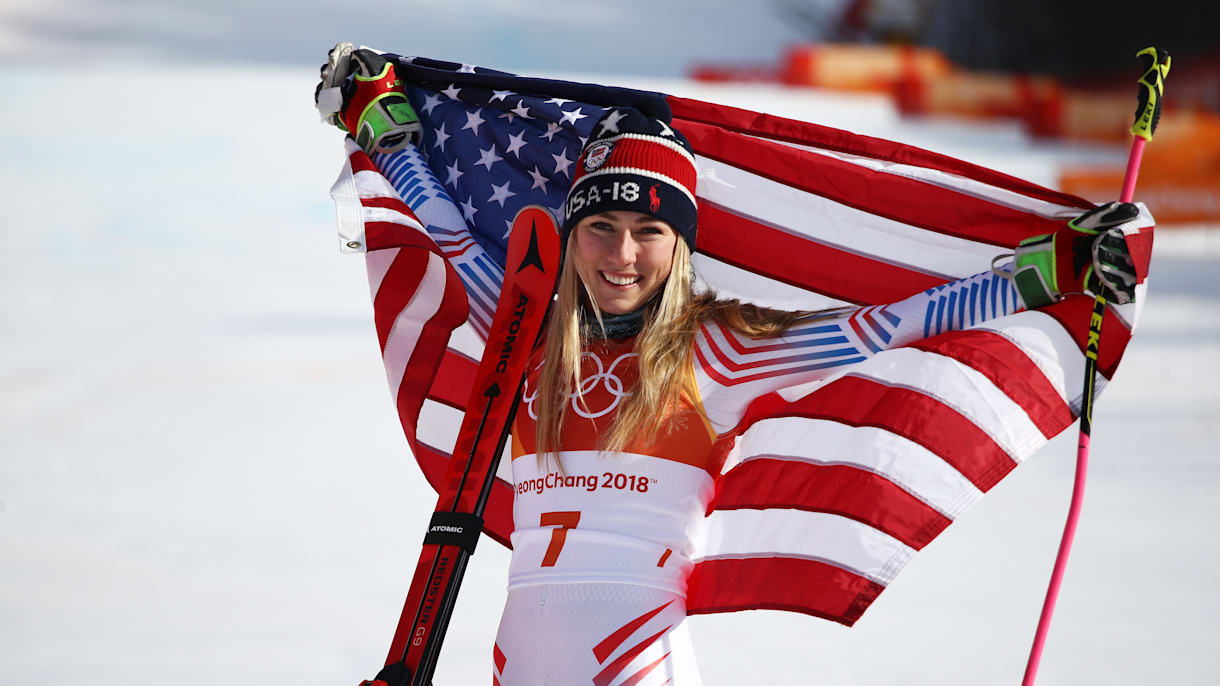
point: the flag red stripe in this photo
(398, 287)
(389, 203)
(856, 401)
(361, 162)
(1010, 369)
(799, 262)
(454, 379)
(433, 337)
(1073, 314)
(844, 490)
(909, 201)
(382, 235)
(779, 583)
(793, 131)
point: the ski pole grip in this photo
(1152, 88)
(461, 529)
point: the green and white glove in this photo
(1089, 254)
(360, 93)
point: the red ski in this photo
(531, 268)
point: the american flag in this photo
(831, 488)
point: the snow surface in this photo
(202, 479)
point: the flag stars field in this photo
(551, 129)
(610, 123)
(573, 116)
(500, 194)
(539, 180)
(468, 209)
(515, 143)
(454, 174)
(473, 122)
(562, 163)
(488, 157)
(522, 111)
(441, 136)
(506, 156)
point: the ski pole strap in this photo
(454, 528)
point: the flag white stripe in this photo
(960, 387)
(370, 184)
(1049, 346)
(949, 180)
(836, 540)
(907, 464)
(734, 282)
(385, 214)
(827, 222)
(377, 263)
(404, 333)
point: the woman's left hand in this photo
(1089, 254)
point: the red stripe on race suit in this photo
(645, 671)
(498, 656)
(857, 401)
(779, 128)
(1010, 369)
(602, 651)
(779, 583)
(612, 670)
(844, 490)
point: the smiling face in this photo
(623, 257)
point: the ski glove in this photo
(1089, 254)
(360, 93)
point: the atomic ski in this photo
(530, 272)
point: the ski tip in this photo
(534, 241)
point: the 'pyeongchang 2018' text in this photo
(589, 482)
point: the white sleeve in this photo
(733, 369)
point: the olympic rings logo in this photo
(614, 386)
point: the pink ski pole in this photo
(1152, 85)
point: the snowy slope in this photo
(202, 479)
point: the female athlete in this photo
(624, 425)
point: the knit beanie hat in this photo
(634, 161)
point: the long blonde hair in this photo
(664, 345)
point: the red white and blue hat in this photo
(637, 162)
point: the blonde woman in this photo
(625, 423)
